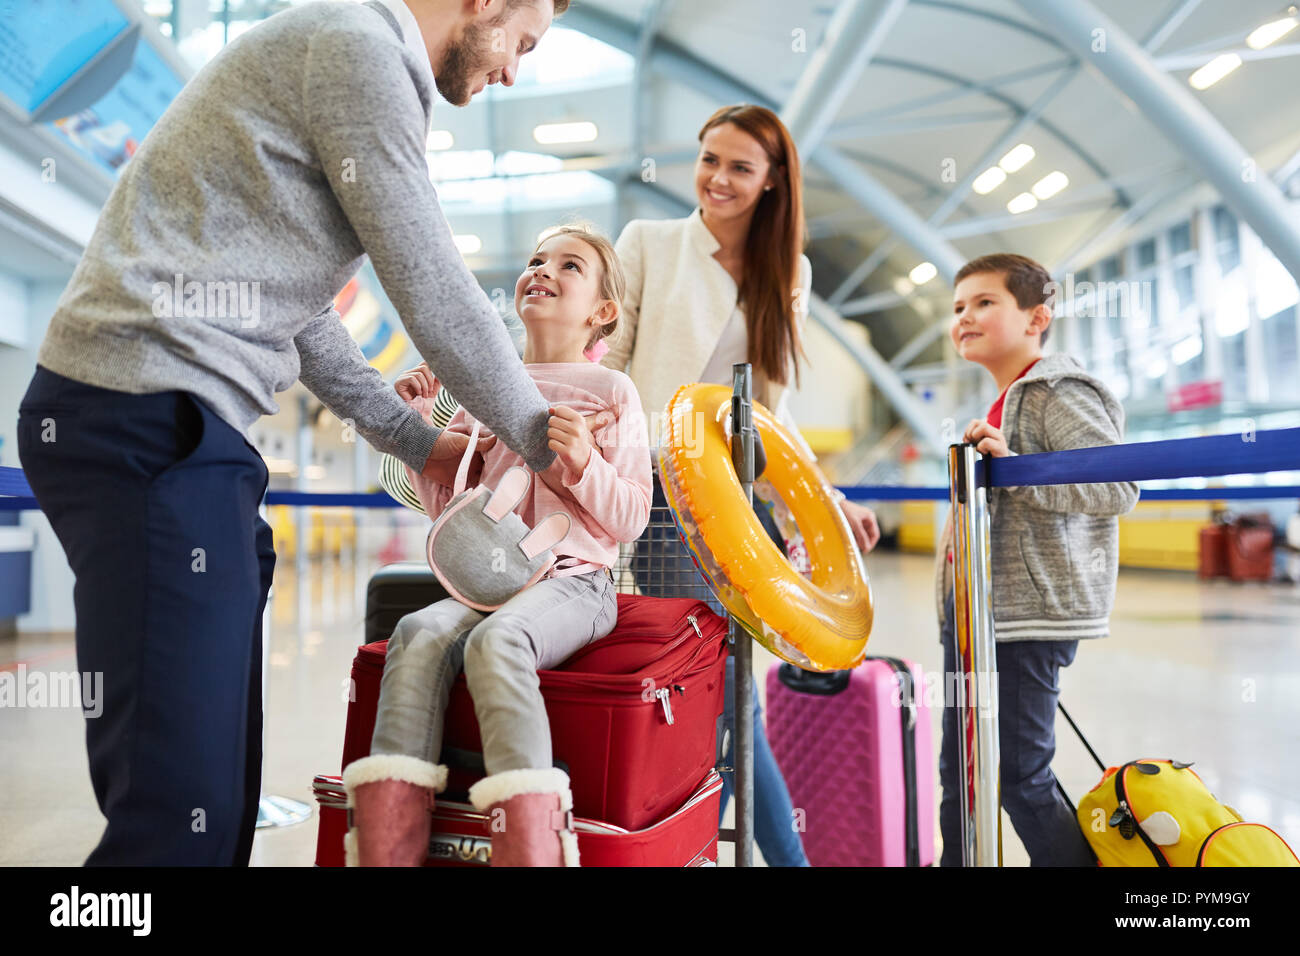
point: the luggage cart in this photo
(659, 564)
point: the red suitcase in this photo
(686, 837)
(1213, 552)
(1250, 549)
(634, 717)
(855, 750)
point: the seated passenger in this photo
(569, 298)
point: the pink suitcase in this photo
(856, 753)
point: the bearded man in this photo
(296, 153)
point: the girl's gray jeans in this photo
(501, 653)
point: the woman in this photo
(727, 284)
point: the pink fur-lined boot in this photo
(390, 797)
(530, 817)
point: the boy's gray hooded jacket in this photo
(1055, 548)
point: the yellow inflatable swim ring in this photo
(818, 624)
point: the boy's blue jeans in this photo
(1027, 693)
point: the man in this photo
(207, 288)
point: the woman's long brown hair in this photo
(769, 284)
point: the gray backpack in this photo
(482, 552)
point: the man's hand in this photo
(447, 452)
(986, 438)
(569, 437)
(418, 382)
(866, 530)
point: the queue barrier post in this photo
(742, 647)
(975, 682)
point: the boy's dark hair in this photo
(1026, 280)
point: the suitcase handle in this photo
(826, 683)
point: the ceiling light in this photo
(468, 244)
(902, 286)
(1022, 203)
(1215, 70)
(1261, 37)
(923, 273)
(439, 139)
(553, 134)
(989, 180)
(1051, 184)
(1017, 157)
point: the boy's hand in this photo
(569, 437)
(986, 438)
(418, 382)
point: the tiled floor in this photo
(1202, 672)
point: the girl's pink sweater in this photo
(608, 503)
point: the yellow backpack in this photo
(1160, 813)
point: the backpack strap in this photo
(462, 473)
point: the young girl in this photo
(569, 297)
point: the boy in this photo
(1053, 547)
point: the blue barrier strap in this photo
(916, 493)
(1257, 493)
(15, 495)
(1252, 453)
(328, 499)
(893, 493)
(14, 482)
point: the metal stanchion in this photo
(742, 455)
(977, 670)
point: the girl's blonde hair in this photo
(612, 281)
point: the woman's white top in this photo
(681, 321)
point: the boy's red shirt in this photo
(994, 416)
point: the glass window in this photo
(1193, 370)
(1145, 305)
(1185, 287)
(1280, 357)
(1275, 290)
(1227, 242)
(1232, 311)
(1146, 254)
(1180, 238)
(1085, 334)
(1234, 367)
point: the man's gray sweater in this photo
(296, 152)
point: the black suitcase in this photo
(395, 591)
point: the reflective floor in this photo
(1202, 672)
